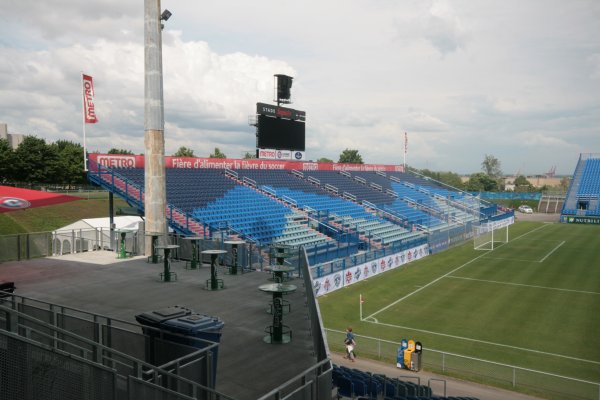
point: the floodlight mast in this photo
(155, 200)
(283, 85)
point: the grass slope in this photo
(49, 218)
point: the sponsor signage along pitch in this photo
(339, 279)
(583, 220)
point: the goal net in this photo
(488, 236)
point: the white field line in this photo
(489, 343)
(552, 251)
(523, 285)
(509, 259)
(445, 275)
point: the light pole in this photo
(155, 200)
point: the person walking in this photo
(350, 344)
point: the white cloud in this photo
(594, 61)
(463, 78)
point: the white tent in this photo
(90, 233)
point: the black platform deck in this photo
(98, 282)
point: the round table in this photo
(194, 263)
(166, 248)
(234, 254)
(278, 332)
(281, 252)
(279, 271)
(213, 283)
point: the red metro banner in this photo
(137, 161)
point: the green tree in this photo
(36, 162)
(120, 151)
(491, 166)
(184, 152)
(217, 154)
(481, 182)
(70, 163)
(325, 159)
(350, 157)
(249, 156)
(7, 160)
(522, 184)
(449, 178)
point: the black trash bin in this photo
(205, 327)
(155, 319)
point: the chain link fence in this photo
(543, 384)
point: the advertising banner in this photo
(137, 161)
(89, 110)
(274, 154)
(329, 283)
(581, 220)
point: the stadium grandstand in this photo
(328, 209)
(582, 203)
(338, 223)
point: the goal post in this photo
(487, 236)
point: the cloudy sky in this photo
(517, 79)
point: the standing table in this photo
(166, 275)
(122, 250)
(194, 263)
(155, 257)
(213, 283)
(281, 272)
(278, 332)
(233, 268)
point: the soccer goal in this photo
(488, 236)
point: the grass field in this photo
(533, 302)
(49, 218)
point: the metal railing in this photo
(511, 377)
(98, 343)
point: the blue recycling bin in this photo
(197, 326)
(156, 318)
(182, 322)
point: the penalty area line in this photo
(552, 251)
(523, 285)
(449, 273)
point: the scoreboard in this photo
(280, 132)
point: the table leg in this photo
(278, 276)
(167, 272)
(214, 284)
(234, 256)
(194, 255)
(123, 251)
(277, 317)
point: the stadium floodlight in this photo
(165, 15)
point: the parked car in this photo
(525, 209)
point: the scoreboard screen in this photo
(280, 134)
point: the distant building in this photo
(14, 139)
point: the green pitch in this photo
(533, 302)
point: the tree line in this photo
(36, 162)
